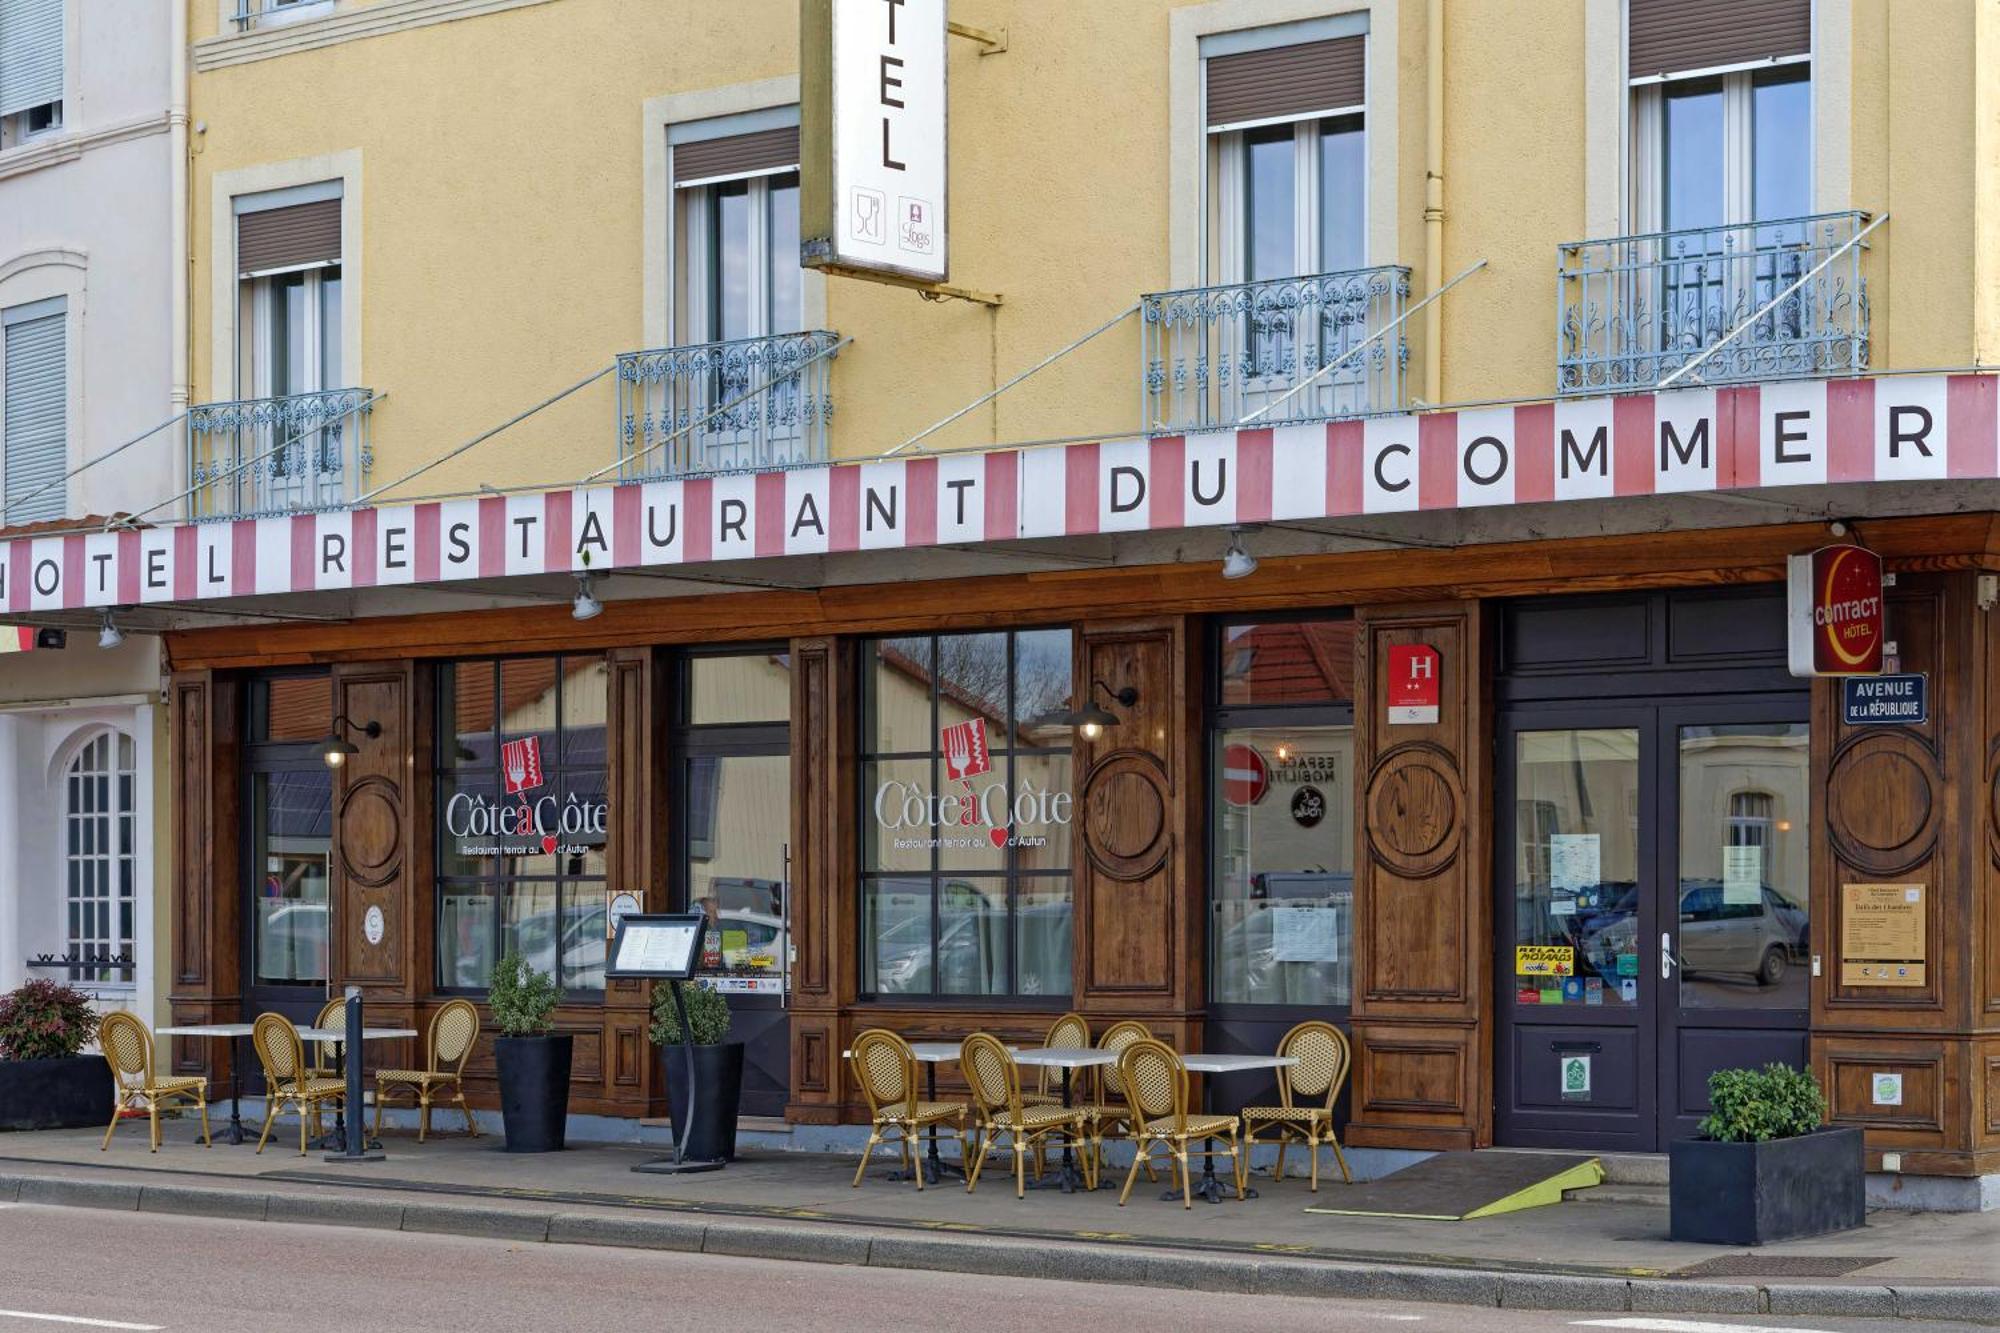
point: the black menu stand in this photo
(666, 947)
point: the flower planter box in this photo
(1757, 1193)
(534, 1090)
(718, 1079)
(66, 1093)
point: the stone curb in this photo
(845, 1243)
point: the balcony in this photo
(264, 456)
(1212, 356)
(1632, 310)
(753, 403)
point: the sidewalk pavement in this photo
(1578, 1255)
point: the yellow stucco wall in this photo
(504, 210)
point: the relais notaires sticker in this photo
(1833, 599)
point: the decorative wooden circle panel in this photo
(1124, 815)
(371, 831)
(1882, 805)
(1412, 809)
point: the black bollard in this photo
(355, 1146)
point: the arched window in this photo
(98, 851)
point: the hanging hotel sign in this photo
(1882, 934)
(1835, 612)
(1903, 428)
(872, 137)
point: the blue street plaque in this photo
(1886, 701)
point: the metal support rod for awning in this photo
(1773, 303)
(7, 505)
(1042, 364)
(1359, 347)
(777, 377)
(483, 436)
(131, 520)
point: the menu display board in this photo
(657, 946)
(1882, 934)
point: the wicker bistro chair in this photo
(288, 1079)
(1156, 1093)
(989, 1067)
(1306, 1092)
(887, 1072)
(453, 1033)
(1070, 1030)
(128, 1049)
(321, 1059)
(1110, 1113)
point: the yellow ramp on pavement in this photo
(1459, 1186)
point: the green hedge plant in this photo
(523, 1000)
(45, 1020)
(708, 1014)
(1755, 1105)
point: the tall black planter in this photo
(64, 1093)
(718, 1078)
(1756, 1193)
(534, 1090)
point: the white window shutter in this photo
(31, 54)
(34, 421)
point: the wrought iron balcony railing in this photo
(1631, 310)
(261, 456)
(1211, 356)
(725, 407)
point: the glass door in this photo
(288, 844)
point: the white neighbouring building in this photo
(93, 337)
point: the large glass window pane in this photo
(972, 936)
(291, 708)
(1288, 662)
(532, 926)
(1343, 195)
(1692, 155)
(291, 826)
(1283, 903)
(729, 299)
(1576, 862)
(737, 874)
(466, 931)
(899, 696)
(1042, 676)
(896, 935)
(1043, 945)
(1781, 144)
(737, 689)
(1270, 200)
(781, 230)
(329, 329)
(1744, 903)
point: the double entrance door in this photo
(1651, 913)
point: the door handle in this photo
(1667, 962)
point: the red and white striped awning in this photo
(1808, 432)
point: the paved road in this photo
(78, 1269)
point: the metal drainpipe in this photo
(179, 202)
(1434, 198)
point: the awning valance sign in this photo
(1895, 428)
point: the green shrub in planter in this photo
(1757, 1105)
(523, 1000)
(45, 1020)
(707, 1011)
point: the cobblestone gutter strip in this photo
(848, 1243)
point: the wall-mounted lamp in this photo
(1237, 563)
(1091, 719)
(334, 750)
(586, 606)
(108, 633)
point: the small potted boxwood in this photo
(533, 1060)
(44, 1082)
(718, 1070)
(1766, 1167)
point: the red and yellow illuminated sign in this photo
(1835, 602)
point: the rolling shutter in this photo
(1287, 82)
(758, 153)
(31, 54)
(1675, 36)
(275, 240)
(34, 418)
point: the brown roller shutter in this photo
(1674, 36)
(753, 154)
(295, 236)
(1287, 81)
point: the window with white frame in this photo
(99, 849)
(31, 70)
(736, 197)
(34, 411)
(247, 14)
(288, 286)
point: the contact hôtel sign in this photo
(1835, 608)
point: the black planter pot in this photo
(1756, 1193)
(534, 1090)
(718, 1082)
(65, 1093)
